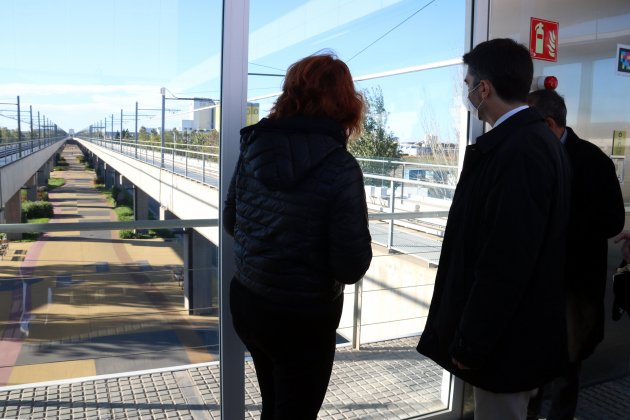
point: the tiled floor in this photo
(387, 380)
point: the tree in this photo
(143, 135)
(7, 135)
(155, 136)
(376, 142)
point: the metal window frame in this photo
(234, 54)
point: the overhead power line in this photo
(388, 32)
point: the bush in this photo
(121, 197)
(126, 234)
(125, 213)
(36, 210)
(162, 233)
(115, 191)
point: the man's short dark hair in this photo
(506, 64)
(550, 104)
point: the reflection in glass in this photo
(406, 59)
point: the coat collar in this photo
(488, 141)
(572, 138)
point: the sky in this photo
(79, 62)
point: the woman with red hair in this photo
(296, 208)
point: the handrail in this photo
(406, 163)
(410, 181)
(17, 149)
(87, 226)
(173, 223)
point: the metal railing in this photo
(400, 195)
(10, 152)
(200, 162)
(192, 161)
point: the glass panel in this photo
(82, 303)
(406, 56)
(595, 92)
(597, 97)
(134, 89)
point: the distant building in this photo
(431, 139)
(253, 111)
(205, 115)
(253, 114)
(187, 125)
(410, 149)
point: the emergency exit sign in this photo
(543, 39)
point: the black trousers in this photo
(293, 349)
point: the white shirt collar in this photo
(563, 138)
(509, 114)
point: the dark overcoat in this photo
(498, 302)
(597, 213)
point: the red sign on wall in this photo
(543, 39)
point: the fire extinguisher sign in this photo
(543, 39)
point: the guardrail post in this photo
(203, 169)
(402, 184)
(356, 324)
(392, 196)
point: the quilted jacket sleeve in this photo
(349, 234)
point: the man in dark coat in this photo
(497, 315)
(597, 213)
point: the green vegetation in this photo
(124, 213)
(376, 141)
(60, 163)
(195, 142)
(123, 206)
(36, 210)
(41, 210)
(8, 135)
(39, 220)
(86, 161)
(55, 182)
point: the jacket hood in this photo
(280, 153)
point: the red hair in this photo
(321, 85)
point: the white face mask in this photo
(470, 106)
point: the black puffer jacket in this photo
(296, 208)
